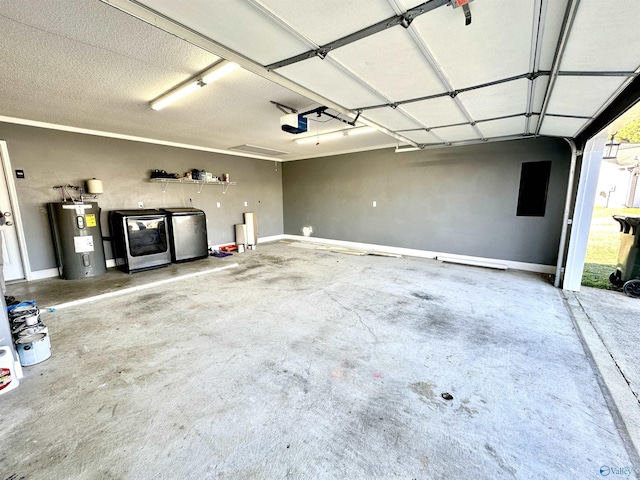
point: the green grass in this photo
(603, 245)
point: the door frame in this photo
(15, 209)
(583, 211)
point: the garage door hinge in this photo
(465, 8)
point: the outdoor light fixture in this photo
(334, 135)
(210, 75)
(611, 148)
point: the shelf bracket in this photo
(200, 185)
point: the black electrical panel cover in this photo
(534, 184)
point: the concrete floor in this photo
(309, 364)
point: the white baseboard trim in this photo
(53, 272)
(42, 274)
(272, 238)
(411, 252)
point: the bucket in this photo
(34, 347)
(8, 378)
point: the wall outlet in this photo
(218, 204)
(375, 203)
(245, 204)
(140, 204)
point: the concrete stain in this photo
(149, 297)
(425, 390)
(425, 296)
(465, 409)
(501, 461)
(437, 322)
(347, 364)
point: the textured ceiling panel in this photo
(456, 134)
(89, 65)
(119, 34)
(496, 101)
(582, 96)
(236, 24)
(324, 21)
(86, 83)
(421, 136)
(616, 45)
(435, 112)
(561, 127)
(503, 127)
(390, 118)
(392, 63)
(496, 45)
(326, 79)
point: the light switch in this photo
(218, 204)
(375, 203)
(245, 204)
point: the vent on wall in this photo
(258, 150)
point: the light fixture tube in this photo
(210, 75)
(175, 94)
(218, 71)
(360, 130)
(334, 135)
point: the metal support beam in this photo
(567, 24)
(403, 20)
(540, 12)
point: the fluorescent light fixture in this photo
(218, 71)
(360, 130)
(175, 94)
(210, 75)
(408, 148)
(334, 135)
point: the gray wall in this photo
(458, 200)
(50, 157)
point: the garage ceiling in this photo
(411, 69)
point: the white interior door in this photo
(12, 261)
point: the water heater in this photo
(77, 238)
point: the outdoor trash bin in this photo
(627, 274)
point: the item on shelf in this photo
(163, 174)
(187, 176)
(225, 177)
(195, 174)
